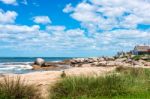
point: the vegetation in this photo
(17, 88)
(137, 57)
(124, 83)
(63, 75)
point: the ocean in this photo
(20, 65)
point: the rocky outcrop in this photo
(109, 61)
(123, 60)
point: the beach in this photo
(44, 74)
(44, 79)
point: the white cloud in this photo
(113, 23)
(7, 17)
(109, 14)
(58, 38)
(24, 2)
(35, 4)
(12, 2)
(42, 19)
(55, 28)
(68, 8)
(54, 38)
(18, 28)
(105, 25)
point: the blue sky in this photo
(68, 28)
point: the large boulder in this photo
(39, 62)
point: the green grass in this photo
(124, 83)
(137, 57)
(17, 88)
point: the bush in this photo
(17, 88)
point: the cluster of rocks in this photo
(122, 60)
(108, 61)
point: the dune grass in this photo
(124, 83)
(17, 88)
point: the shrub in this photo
(17, 88)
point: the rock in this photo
(121, 59)
(147, 63)
(101, 59)
(111, 63)
(110, 58)
(49, 64)
(118, 63)
(95, 59)
(89, 60)
(135, 63)
(95, 63)
(37, 67)
(79, 60)
(102, 63)
(144, 57)
(129, 60)
(39, 62)
(65, 62)
(141, 61)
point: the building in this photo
(140, 50)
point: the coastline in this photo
(98, 66)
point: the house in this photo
(140, 50)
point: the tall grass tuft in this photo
(124, 83)
(75, 87)
(17, 88)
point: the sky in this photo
(72, 28)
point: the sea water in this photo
(19, 65)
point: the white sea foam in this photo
(14, 67)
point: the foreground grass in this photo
(124, 83)
(17, 88)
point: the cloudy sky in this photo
(78, 28)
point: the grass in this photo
(17, 88)
(124, 83)
(137, 57)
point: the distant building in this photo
(140, 50)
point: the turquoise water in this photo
(19, 65)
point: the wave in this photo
(15, 67)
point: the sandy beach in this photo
(44, 79)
